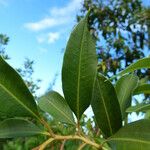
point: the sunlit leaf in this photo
(142, 89)
(12, 128)
(15, 98)
(139, 64)
(139, 107)
(54, 104)
(106, 107)
(79, 68)
(124, 89)
(134, 136)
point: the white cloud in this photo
(40, 39)
(70, 8)
(44, 24)
(58, 16)
(48, 38)
(53, 36)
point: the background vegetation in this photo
(122, 31)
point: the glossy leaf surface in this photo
(54, 104)
(12, 128)
(105, 106)
(142, 89)
(134, 136)
(139, 64)
(15, 98)
(124, 89)
(139, 107)
(79, 68)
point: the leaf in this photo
(134, 136)
(56, 105)
(105, 106)
(124, 89)
(15, 98)
(139, 64)
(12, 128)
(147, 115)
(79, 68)
(144, 88)
(139, 107)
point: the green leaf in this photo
(139, 107)
(124, 89)
(140, 64)
(147, 115)
(56, 105)
(144, 88)
(15, 98)
(134, 136)
(79, 68)
(105, 106)
(12, 128)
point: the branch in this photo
(68, 137)
(77, 137)
(47, 126)
(42, 146)
(62, 145)
(82, 146)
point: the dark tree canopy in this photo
(4, 39)
(122, 29)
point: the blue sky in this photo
(38, 30)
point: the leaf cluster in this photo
(82, 87)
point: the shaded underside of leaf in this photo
(106, 107)
(15, 98)
(139, 107)
(79, 68)
(124, 89)
(134, 136)
(12, 128)
(56, 105)
(142, 89)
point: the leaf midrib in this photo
(126, 89)
(145, 60)
(14, 132)
(60, 111)
(139, 108)
(79, 69)
(107, 115)
(129, 140)
(16, 99)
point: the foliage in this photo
(122, 29)
(4, 39)
(26, 73)
(81, 78)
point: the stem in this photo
(76, 137)
(79, 130)
(126, 120)
(68, 137)
(42, 146)
(82, 146)
(48, 127)
(98, 132)
(62, 145)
